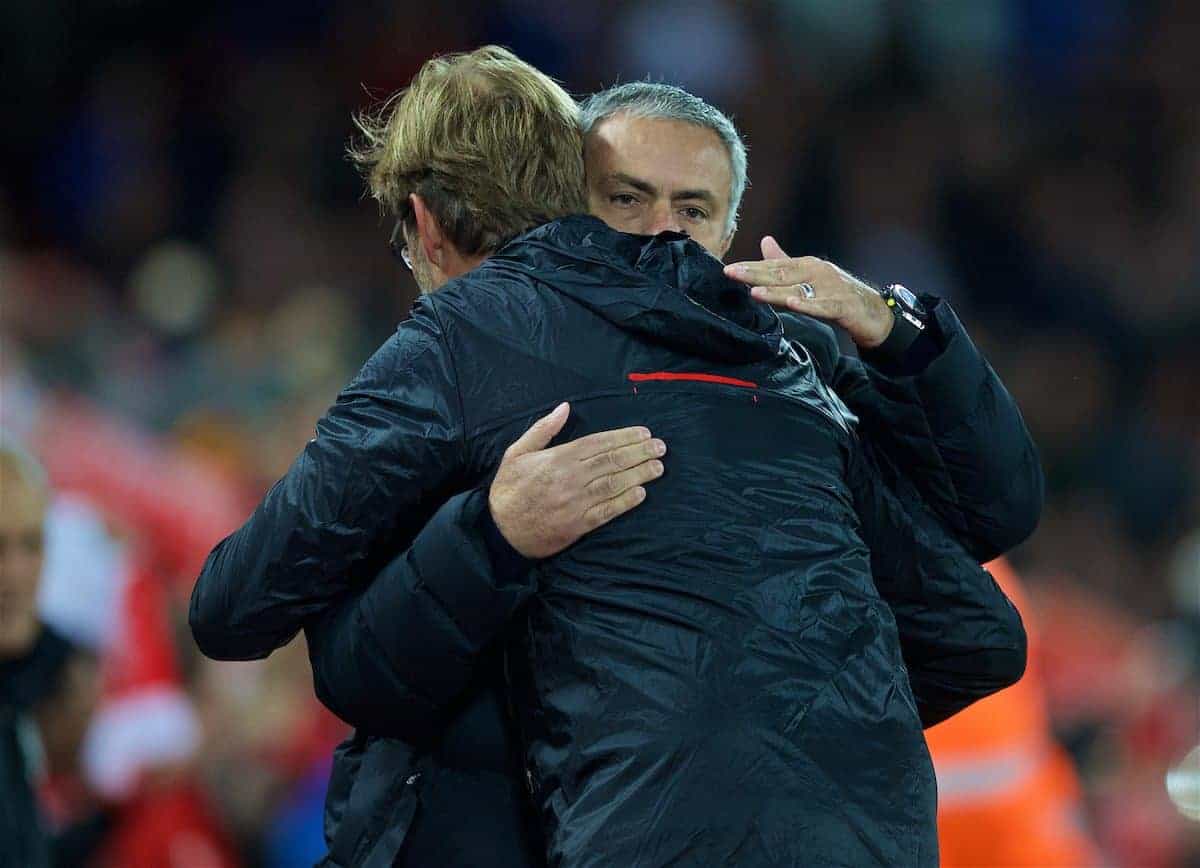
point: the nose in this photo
(664, 218)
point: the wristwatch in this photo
(909, 316)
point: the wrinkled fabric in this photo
(711, 678)
(757, 661)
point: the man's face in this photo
(21, 515)
(648, 175)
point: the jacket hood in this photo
(666, 288)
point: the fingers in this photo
(616, 460)
(794, 298)
(781, 272)
(613, 484)
(605, 441)
(605, 511)
(771, 249)
(541, 432)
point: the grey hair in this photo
(648, 99)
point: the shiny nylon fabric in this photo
(760, 565)
(712, 679)
(740, 699)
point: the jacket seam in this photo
(764, 392)
(462, 409)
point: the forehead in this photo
(671, 155)
(21, 511)
(22, 504)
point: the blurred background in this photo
(189, 271)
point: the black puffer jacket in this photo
(741, 593)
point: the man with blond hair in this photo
(730, 640)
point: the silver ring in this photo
(808, 291)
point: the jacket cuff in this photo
(943, 366)
(507, 563)
(908, 350)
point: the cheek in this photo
(623, 219)
(34, 575)
(600, 207)
(20, 572)
(711, 237)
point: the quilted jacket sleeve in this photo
(390, 657)
(945, 419)
(961, 637)
(388, 451)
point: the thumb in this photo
(771, 249)
(541, 432)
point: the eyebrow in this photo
(636, 183)
(650, 190)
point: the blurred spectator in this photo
(32, 659)
(1008, 795)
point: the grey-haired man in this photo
(660, 160)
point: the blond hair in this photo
(491, 144)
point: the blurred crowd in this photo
(189, 271)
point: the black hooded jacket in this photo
(727, 637)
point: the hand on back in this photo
(544, 499)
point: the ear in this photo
(429, 230)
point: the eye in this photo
(623, 200)
(693, 214)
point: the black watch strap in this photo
(909, 321)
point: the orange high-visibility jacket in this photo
(1007, 793)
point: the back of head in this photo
(491, 144)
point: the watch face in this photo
(905, 297)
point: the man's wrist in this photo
(915, 339)
(900, 337)
(505, 558)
